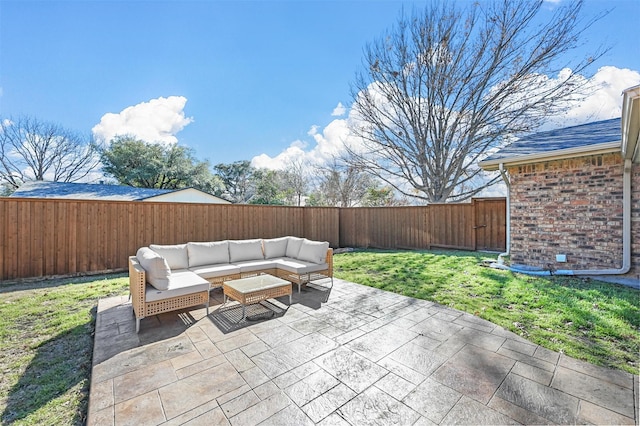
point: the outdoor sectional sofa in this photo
(164, 278)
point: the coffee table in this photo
(255, 289)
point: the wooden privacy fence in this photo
(48, 237)
(479, 225)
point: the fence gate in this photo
(490, 224)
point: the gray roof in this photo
(85, 191)
(584, 135)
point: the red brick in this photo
(572, 207)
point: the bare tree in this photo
(446, 85)
(296, 179)
(342, 185)
(31, 149)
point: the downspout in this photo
(626, 236)
(505, 178)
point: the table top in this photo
(257, 283)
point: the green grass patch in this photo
(585, 319)
(46, 347)
(46, 328)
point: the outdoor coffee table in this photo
(255, 289)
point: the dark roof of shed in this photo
(85, 191)
(594, 133)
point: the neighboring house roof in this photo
(89, 191)
(587, 139)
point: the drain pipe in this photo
(505, 178)
(626, 237)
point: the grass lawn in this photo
(46, 327)
(582, 318)
(46, 347)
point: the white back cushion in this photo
(210, 253)
(293, 246)
(241, 250)
(156, 268)
(313, 251)
(275, 247)
(176, 254)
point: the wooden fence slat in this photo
(41, 237)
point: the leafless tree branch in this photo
(446, 85)
(31, 149)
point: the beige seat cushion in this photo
(299, 266)
(257, 265)
(180, 284)
(214, 271)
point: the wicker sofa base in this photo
(143, 308)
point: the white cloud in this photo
(293, 153)
(329, 143)
(155, 121)
(606, 100)
(339, 110)
(604, 103)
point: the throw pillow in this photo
(313, 251)
(176, 255)
(209, 253)
(275, 247)
(156, 268)
(242, 250)
(293, 247)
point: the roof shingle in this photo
(85, 191)
(584, 135)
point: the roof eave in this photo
(561, 154)
(631, 123)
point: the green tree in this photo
(379, 197)
(269, 187)
(316, 199)
(143, 164)
(237, 179)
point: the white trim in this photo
(560, 154)
(187, 195)
(631, 123)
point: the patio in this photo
(365, 356)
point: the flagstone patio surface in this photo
(362, 357)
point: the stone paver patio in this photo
(364, 357)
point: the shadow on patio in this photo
(365, 356)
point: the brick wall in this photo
(571, 207)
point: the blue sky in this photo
(232, 79)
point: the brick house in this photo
(573, 204)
